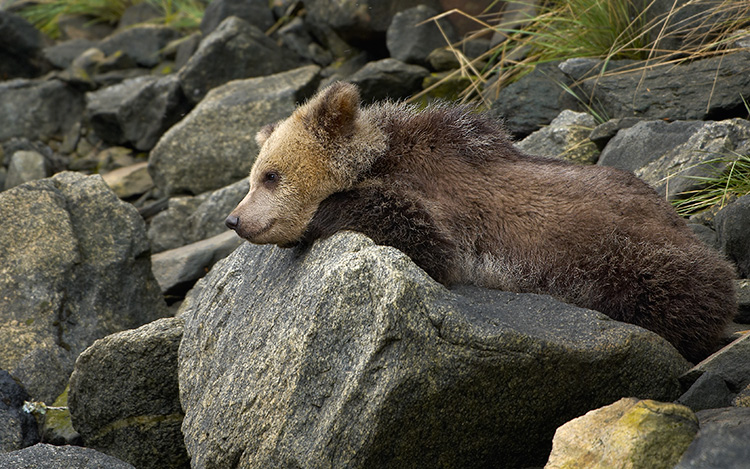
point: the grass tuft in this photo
(46, 14)
(719, 188)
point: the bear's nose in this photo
(232, 222)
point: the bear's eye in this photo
(271, 177)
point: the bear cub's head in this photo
(322, 148)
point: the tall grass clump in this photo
(588, 28)
(45, 14)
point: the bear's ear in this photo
(333, 112)
(264, 133)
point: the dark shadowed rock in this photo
(296, 36)
(18, 429)
(255, 12)
(188, 219)
(721, 441)
(143, 44)
(44, 456)
(74, 267)
(743, 300)
(214, 145)
(360, 22)
(732, 229)
(348, 353)
(234, 50)
(731, 364)
(137, 111)
(636, 146)
(705, 89)
(388, 79)
(124, 399)
(710, 391)
(38, 110)
(20, 48)
(533, 101)
(411, 36)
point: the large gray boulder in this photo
(214, 145)
(348, 355)
(74, 267)
(677, 170)
(38, 110)
(234, 50)
(124, 399)
(636, 146)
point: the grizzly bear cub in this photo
(447, 187)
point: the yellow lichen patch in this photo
(629, 434)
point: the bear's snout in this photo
(232, 222)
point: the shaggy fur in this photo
(447, 187)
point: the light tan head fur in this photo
(322, 148)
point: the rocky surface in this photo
(234, 50)
(45, 456)
(124, 399)
(678, 170)
(534, 101)
(634, 147)
(721, 441)
(38, 110)
(348, 353)
(700, 90)
(168, 117)
(69, 275)
(566, 138)
(214, 145)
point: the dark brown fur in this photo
(617, 247)
(447, 187)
